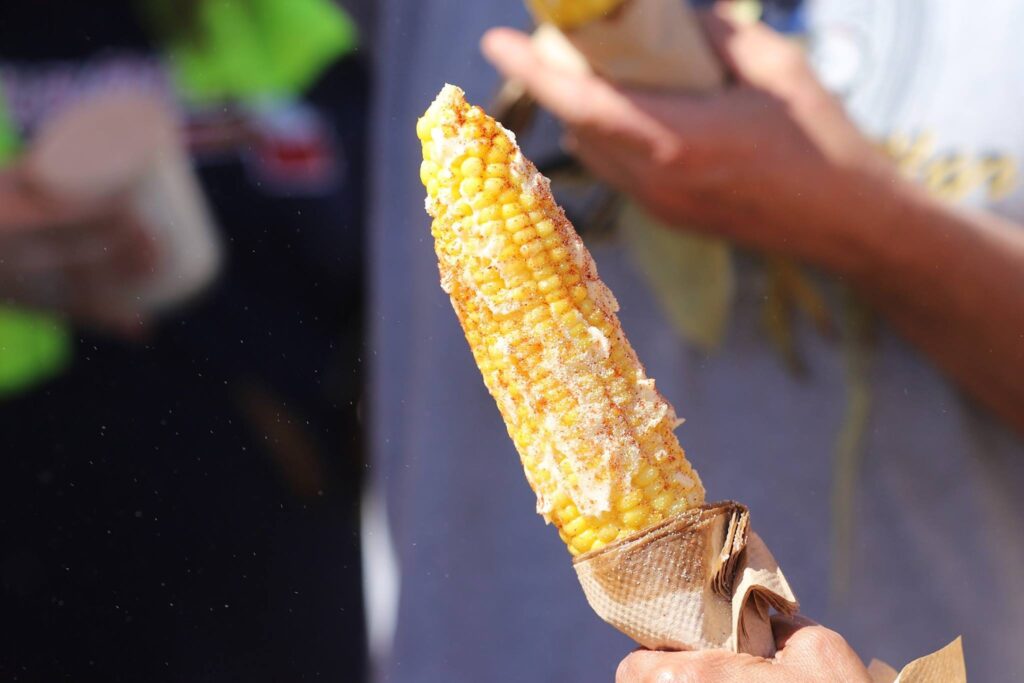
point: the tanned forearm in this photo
(952, 282)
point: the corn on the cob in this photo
(594, 435)
(571, 13)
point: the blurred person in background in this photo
(862, 396)
(179, 493)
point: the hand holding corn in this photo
(595, 437)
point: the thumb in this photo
(785, 626)
(807, 646)
(578, 99)
(754, 53)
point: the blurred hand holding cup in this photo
(118, 164)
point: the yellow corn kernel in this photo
(595, 438)
(470, 187)
(576, 526)
(630, 500)
(661, 502)
(584, 540)
(568, 513)
(678, 507)
(646, 476)
(608, 533)
(652, 490)
(631, 519)
(571, 13)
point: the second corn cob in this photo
(571, 13)
(594, 435)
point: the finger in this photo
(655, 123)
(133, 253)
(100, 316)
(30, 255)
(753, 52)
(96, 300)
(113, 271)
(577, 99)
(116, 242)
(31, 208)
(784, 626)
(634, 175)
(632, 668)
(735, 41)
(47, 250)
(646, 666)
(82, 225)
(807, 645)
(34, 291)
(605, 162)
(610, 163)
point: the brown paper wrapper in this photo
(698, 581)
(704, 580)
(944, 666)
(654, 44)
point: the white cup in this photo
(128, 144)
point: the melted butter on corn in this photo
(595, 437)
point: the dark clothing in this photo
(186, 509)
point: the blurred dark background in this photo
(183, 506)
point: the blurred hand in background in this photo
(71, 258)
(773, 163)
(763, 163)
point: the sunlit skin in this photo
(773, 163)
(808, 653)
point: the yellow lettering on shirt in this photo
(951, 175)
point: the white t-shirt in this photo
(488, 593)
